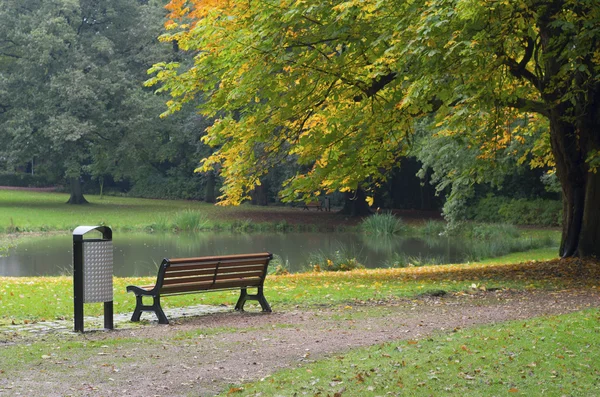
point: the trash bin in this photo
(92, 273)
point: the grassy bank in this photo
(26, 211)
(20, 297)
(554, 356)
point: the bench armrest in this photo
(141, 291)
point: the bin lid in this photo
(81, 230)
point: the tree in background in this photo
(71, 91)
(338, 85)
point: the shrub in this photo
(242, 225)
(532, 212)
(383, 224)
(22, 179)
(189, 221)
(278, 266)
(486, 231)
(433, 228)
(404, 260)
(161, 224)
(340, 260)
(163, 187)
(496, 209)
(491, 248)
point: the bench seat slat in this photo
(176, 273)
(207, 286)
(211, 277)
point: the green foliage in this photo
(23, 179)
(538, 212)
(243, 225)
(168, 187)
(502, 245)
(339, 260)
(404, 260)
(492, 231)
(190, 221)
(383, 224)
(278, 266)
(496, 84)
(72, 100)
(161, 223)
(432, 228)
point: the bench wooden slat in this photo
(213, 264)
(232, 276)
(229, 269)
(182, 288)
(219, 276)
(238, 257)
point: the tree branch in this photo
(528, 105)
(519, 69)
(10, 55)
(376, 86)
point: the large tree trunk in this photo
(355, 204)
(574, 135)
(589, 240)
(76, 192)
(260, 195)
(210, 188)
(571, 144)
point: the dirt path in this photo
(201, 356)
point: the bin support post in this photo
(108, 315)
(78, 285)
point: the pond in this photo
(139, 254)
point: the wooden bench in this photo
(210, 273)
(313, 204)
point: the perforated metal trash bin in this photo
(92, 273)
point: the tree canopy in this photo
(71, 90)
(339, 85)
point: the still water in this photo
(139, 254)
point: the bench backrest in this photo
(183, 275)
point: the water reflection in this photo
(138, 254)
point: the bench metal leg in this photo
(260, 297)
(239, 306)
(156, 308)
(137, 313)
(162, 319)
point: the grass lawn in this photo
(20, 297)
(554, 356)
(40, 211)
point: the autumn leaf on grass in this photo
(234, 390)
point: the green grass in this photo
(552, 356)
(26, 211)
(20, 297)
